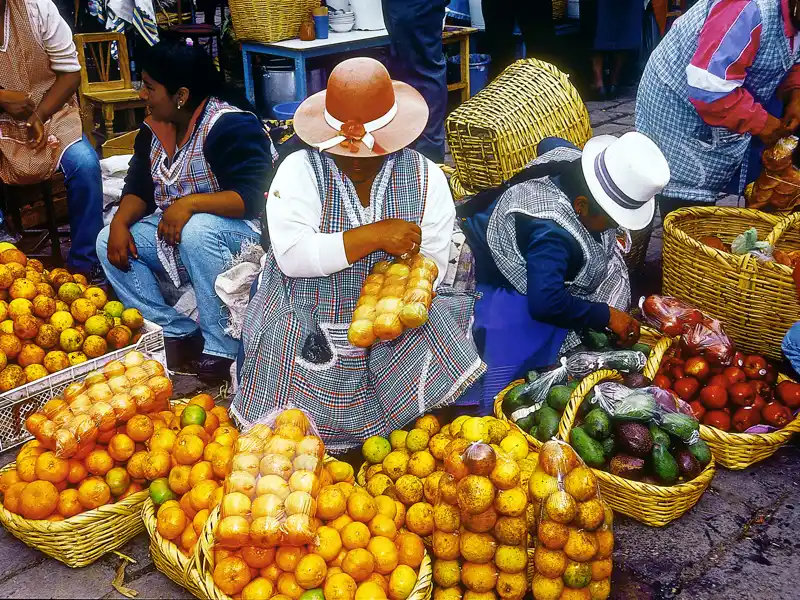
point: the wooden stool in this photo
(454, 34)
(14, 197)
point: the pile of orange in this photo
(270, 494)
(358, 552)
(185, 462)
(93, 411)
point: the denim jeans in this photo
(415, 31)
(208, 243)
(791, 346)
(84, 184)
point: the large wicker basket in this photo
(269, 21)
(640, 240)
(757, 301)
(494, 134)
(82, 539)
(204, 564)
(731, 450)
(653, 505)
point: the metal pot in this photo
(277, 84)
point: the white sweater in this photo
(54, 35)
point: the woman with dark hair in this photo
(193, 194)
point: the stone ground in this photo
(739, 542)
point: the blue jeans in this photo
(791, 346)
(208, 243)
(415, 31)
(84, 184)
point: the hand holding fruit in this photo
(624, 326)
(398, 237)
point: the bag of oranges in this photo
(270, 494)
(91, 410)
(574, 536)
(396, 295)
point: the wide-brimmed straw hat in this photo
(362, 113)
(624, 175)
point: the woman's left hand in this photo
(174, 220)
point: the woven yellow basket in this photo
(640, 240)
(559, 9)
(167, 557)
(731, 450)
(268, 21)
(82, 539)
(756, 301)
(653, 505)
(204, 564)
(494, 134)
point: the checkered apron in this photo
(188, 173)
(25, 67)
(704, 159)
(603, 276)
(295, 333)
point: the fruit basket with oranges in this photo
(761, 395)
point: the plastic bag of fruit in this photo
(270, 494)
(709, 339)
(574, 527)
(91, 410)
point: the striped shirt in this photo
(727, 46)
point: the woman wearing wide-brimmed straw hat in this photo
(357, 197)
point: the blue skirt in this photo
(510, 342)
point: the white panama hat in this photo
(624, 175)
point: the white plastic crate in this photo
(16, 405)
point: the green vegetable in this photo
(700, 451)
(638, 406)
(531, 376)
(533, 431)
(526, 422)
(659, 436)
(573, 385)
(547, 420)
(608, 446)
(664, 465)
(597, 340)
(597, 424)
(681, 426)
(590, 450)
(515, 399)
(558, 397)
(643, 348)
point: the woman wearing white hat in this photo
(357, 197)
(546, 255)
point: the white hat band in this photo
(368, 138)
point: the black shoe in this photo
(181, 351)
(213, 369)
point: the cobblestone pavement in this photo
(739, 542)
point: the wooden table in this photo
(300, 51)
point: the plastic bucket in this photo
(478, 70)
(285, 111)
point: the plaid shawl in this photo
(295, 333)
(603, 276)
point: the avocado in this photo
(688, 465)
(643, 348)
(597, 424)
(531, 376)
(515, 399)
(558, 397)
(596, 340)
(634, 438)
(629, 467)
(532, 431)
(547, 420)
(636, 380)
(526, 422)
(701, 452)
(681, 426)
(659, 436)
(587, 448)
(608, 445)
(664, 465)
(573, 385)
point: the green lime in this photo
(375, 449)
(315, 594)
(114, 308)
(193, 415)
(160, 492)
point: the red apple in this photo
(718, 380)
(759, 403)
(697, 367)
(677, 372)
(772, 373)
(755, 367)
(738, 360)
(662, 381)
(741, 394)
(717, 418)
(776, 414)
(788, 392)
(745, 418)
(714, 397)
(698, 409)
(762, 389)
(734, 375)
(686, 388)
